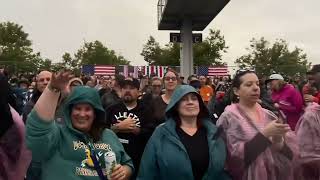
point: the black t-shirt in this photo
(133, 144)
(159, 110)
(198, 150)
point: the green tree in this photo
(151, 51)
(96, 53)
(266, 58)
(70, 63)
(17, 53)
(208, 52)
(55, 67)
(170, 55)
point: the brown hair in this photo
(174, 72)
(156, 79)
(236, 83)
(97, 126)
(96, 130)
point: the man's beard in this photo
(128, 99)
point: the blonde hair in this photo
(280, 85)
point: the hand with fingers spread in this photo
(120, 173)
(275, 128)
(60, 80)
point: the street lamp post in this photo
(187, 16)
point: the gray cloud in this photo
(125, 25)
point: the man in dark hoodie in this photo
(128, 119)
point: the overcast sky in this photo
(58, 26)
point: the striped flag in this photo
(135, 71)
(125, 70)
(98, 69)
(213, 71)
(154, 70)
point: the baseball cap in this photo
(274, 77)
(315, 69)
(131, 82)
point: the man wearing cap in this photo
(128, 119)
(314, 83)
(286, 99)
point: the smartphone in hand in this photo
(282, 117)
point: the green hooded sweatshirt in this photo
(63, 150)
(166, 158)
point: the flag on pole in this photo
(154, 70)
(213, 71)
(98, 69)
(125, 70)
(135, 71)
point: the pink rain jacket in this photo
(270, 164)
(14, 155)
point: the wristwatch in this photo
(52, 89)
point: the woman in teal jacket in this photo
(187, 146)
(77, 149)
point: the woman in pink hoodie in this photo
(308, 133)
(260, 146)
(286, 99)
(14, 156)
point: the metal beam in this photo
(186, 50)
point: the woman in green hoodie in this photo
(79, 149)
(187, 146)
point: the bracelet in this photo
(52, 89)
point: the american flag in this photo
(213, 71)
(98, 69)
(157, 70)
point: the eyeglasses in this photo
(156, 86)
(172, 78)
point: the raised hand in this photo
(60, 80)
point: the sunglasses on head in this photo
(241, 71)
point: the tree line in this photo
(17, 55)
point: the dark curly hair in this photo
(237, 82)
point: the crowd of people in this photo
(59, 126)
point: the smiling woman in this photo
(82, 117)
(187, 132)
(81, 148)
